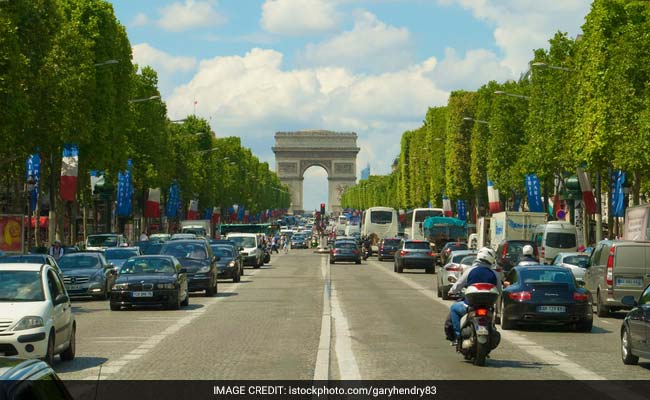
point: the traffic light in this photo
(322, 209)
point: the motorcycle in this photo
(365, 252)
(479, 335)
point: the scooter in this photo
(365, 253)
(479, 335)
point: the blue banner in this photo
(534, 194)
(34, 171)
(618, 196)
(207, 213)
(173, 201)
(462, 210)
(125, 192)
(240, 213)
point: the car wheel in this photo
(585, 326)
(430, 270)
(257, 265)
(601, 310)
(438, 291)
(236, 278)
(506, 324)
(445, 294)
(400, 269)
(115, 307)
(211, 291)
(241, 271)
(186, 302)
(357, 262)
(103, 296)
(176, 305)
(49, 353)
(626, 349)
(380, 258)
(69, 353)
(332, 261)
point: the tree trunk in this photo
(636, 188)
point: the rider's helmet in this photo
(528, 250)
(487, 255)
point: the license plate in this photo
(481, 330)
(142, 294)
(629, 282)
(551, 309)
(73, 287)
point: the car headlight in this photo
(165, 286)
(232, 264)
(28, 322)
(120, 286)
(204, 270)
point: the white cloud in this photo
(165, 64)
(370, 45)
(191, 14)
(299, 17)
(478, 67)
(524, 25)
(139, 20)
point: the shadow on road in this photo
(515, 364)
(193, 306)
(79, 364)
(83, 310)
(227, 294)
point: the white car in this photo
(36, 319)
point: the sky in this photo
(256, 67)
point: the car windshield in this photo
(532, 276)
(460, 257)
(21, 286)
(391, 242)
(561, 240)
(102, 240)
(153, 265)
(120, 254)
(22, 259)
(417, 246)
(580, 260)
(75, 261)
(468, 260)
(194, 251)
(243, 241)
(221, 252)
(381, 217)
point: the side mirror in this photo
(580, 282)
(629, 301)
(61, 299)
(182, 271)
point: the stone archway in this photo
(335, 152)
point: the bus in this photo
(414, 219)
(382, 221)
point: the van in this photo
(554, 237)
(617, 268)
(252, 253)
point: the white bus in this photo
(382, 221)
(413, 223)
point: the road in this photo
(301, 318)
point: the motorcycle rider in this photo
(480, 272)
(528, 256)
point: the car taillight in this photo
(577, 296)
(355, 251)
(431, 254)
(542, 254)
(482, 312)
(519, 296)
(609, 278)
(381, 247)
(453, 268)
(498, 269)
(334, 251)
(403, 253)
(483, 286)
(504, 251)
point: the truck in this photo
(483, 232)
(200, 227)
(514, 225)
(440, 230)
(637, 223)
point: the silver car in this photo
(458, 261)
(576, 262)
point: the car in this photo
(635, 328)
(161, 237)
(152, 249)
(197, 258)
(387, 248)
(554, 237)
(576, 262)
(183, 236)
(30, 379)
(87, 274)
(37, 319)
(509, 252)
(118, 256)
(345, 250)
(103, 241)
(414, 254)
(299, 241)
(443, 255)
(31, 258)
(149, 281)
(545, 294)
(617, 268)
(229, 264)
(451, 272)
(252, 253)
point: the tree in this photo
(461, 105)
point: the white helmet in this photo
(528, 250)
(487, 255)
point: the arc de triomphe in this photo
(336, 152)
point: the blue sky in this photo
(372, 67)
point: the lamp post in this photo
(29, 188)
(518, 96)
(544, 65)
(144, 99)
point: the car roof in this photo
(124, 248)
(83, 253)
(194, 241)
(463, 253)
(13, 368)
(22, 267)
(153, 256)
(541, 267)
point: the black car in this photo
(31, 258)
(30, 379)
(150, 281)
(635, 328)
(229, 264)
(510, 251)
(299, 242)
(545, 294)
(87, 274)
(443, 257)
(387, 248)
(195, 255)
(345, 250)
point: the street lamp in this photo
(206, 151)
(478, 121)
(144, 99)
(519, 96)
(107, 62)
(544, 65)
(29, 188)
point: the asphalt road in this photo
(302, 318)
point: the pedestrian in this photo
(56, 250)
(285, 245)
(274, 245)
(144, 237)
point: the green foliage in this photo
(457, 145)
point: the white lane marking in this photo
(347, 362)
(322, 368)
(602, 320)
(570, 368)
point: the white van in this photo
(252, 254)
(554, 237)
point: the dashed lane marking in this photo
(322, 368)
